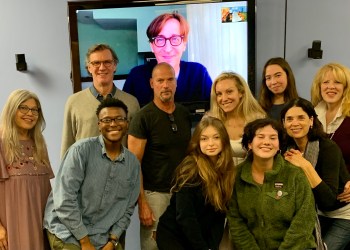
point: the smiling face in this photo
(210, 143)
(169, 53)
(331, 89)
(112, 132)
(26, 122)
(297, 123)
(276, 79)
(227, 95)
(265, 143)
(102, 75)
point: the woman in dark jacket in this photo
(309, 148)
(203, 186)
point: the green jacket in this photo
(279, 214)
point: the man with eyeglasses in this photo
(79, 122)
(96, 187)
(168, 35)
(158, 135)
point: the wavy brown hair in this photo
(158, 23)
(216, 179)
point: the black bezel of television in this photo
(82, 12)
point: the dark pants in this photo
(335, 233)
(167, 241)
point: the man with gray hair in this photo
(79, 120)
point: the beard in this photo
(166, 98)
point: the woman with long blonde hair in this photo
(203, 186)
(234, 104)
(25, 173)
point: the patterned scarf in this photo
(311, 152)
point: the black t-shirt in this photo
(165, 148)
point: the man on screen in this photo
(168, 35)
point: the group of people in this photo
(253, 174)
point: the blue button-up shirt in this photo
(92, 195)
(99, 96)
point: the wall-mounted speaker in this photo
(21, 64)
(315, 52)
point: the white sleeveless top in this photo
(239, 153)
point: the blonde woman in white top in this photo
(233, 103)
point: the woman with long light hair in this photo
(234, 104)
(25, 173)
(330, 94)
(203, 186)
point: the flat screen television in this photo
(222, 34)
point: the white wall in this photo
(307, 21)
(270, 24)
(325, 20)
(37, 28)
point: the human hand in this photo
(86, 244)
(295, 157)
(145, 214)
(108, 246)
(345, 195)
(3, 238)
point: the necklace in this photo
(331, 135)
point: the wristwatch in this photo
(114, 242)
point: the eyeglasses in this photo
(160, 41)
(24, 109)
(173, 124)
(118, 119)
(106, 63)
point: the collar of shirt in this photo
(321, 110)
(98, 96)
(121, 156)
